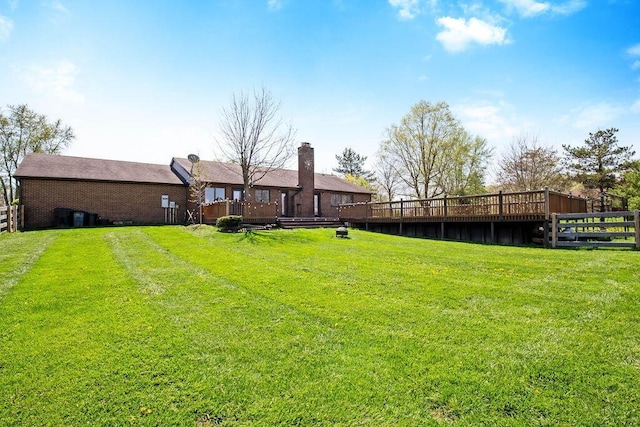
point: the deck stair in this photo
(317, 222)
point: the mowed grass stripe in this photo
(259, 355)
(18, 253)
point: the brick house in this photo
(302, 193)
(110, 191)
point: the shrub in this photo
(231, 223)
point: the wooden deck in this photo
(524, 206)
(505, 218)
(251, 212)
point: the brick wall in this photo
(306, 180)
(114, 201)
(326, 210)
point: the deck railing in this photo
(521, 205)
(250, 211)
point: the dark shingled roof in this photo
(231, 173)
(38, 165)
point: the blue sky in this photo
(146, 81)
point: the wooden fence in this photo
(597, 229)
(498, 206)
(250, 211)
(11, 218)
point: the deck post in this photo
(546, 204)
(401, 214)
(554, 230)
(493, 231)
(445, 205)
(636, 220)
(366, 215)
(500, 208)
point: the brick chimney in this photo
(306, 181)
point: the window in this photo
(237, 195)
(262, 196)
(212, 194)
(341, 199)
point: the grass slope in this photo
(187, 326)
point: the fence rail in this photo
(250, 211)
(11, 218)
(599, 229)
(498, 206)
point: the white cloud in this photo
(635, 108)
(55, 79)
(490, 120)
(274, 4)
(407, 9)
(58, 6)
(531, 8)
(527, 8)
(569, 7)
(634, 50)
(6, 26)
(596, 116)
(459, 33)
(635, 65)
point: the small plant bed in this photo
(229, 224)
(188, 326)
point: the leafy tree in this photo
(464, 172)
(362, 182)
(254, 136)
(528, 165)
(599, 162)
(629, 186)
(352, 163)
(433, 153)
(23, 131)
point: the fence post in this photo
(636, 220)
(9, 215)
(554, 230)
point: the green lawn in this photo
(188, 326)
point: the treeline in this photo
(430, 154)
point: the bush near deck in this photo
(187, 326)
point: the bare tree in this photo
(197, 188)
(529, 165)
(23, 131)
(254, 136)
(387, 177)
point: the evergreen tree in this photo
(600, 161)
(352, 163)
